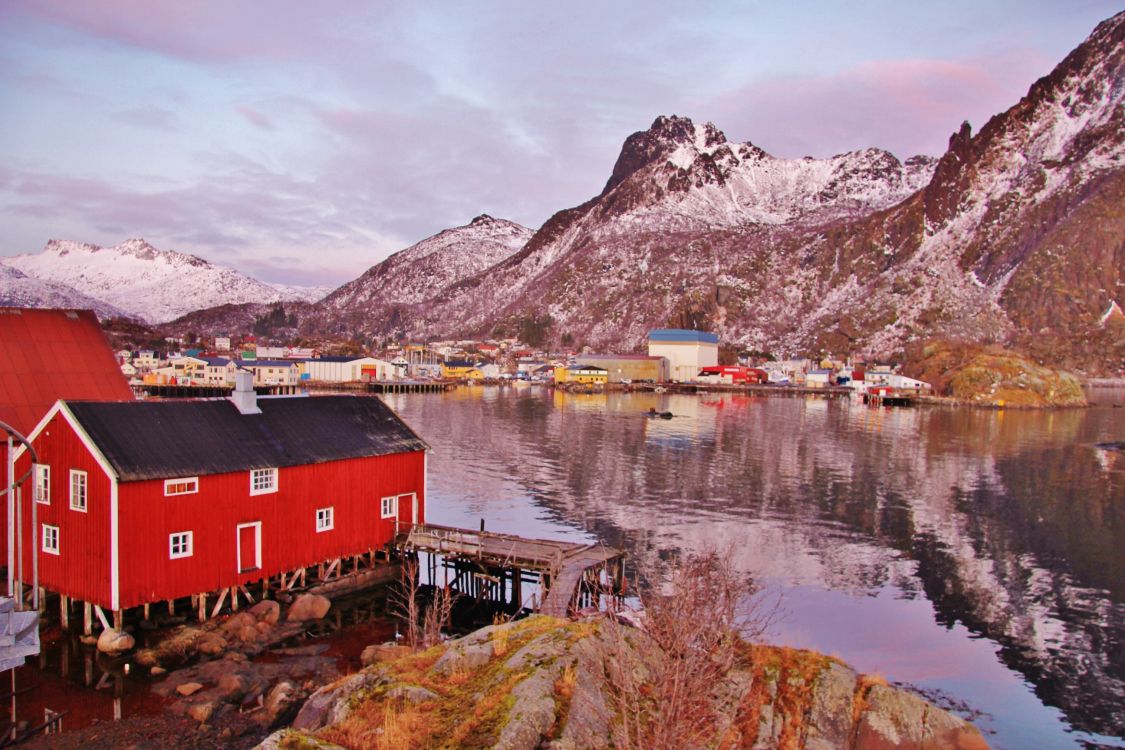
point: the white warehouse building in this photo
(347, 369)
(686, 351)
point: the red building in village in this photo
(46, 355)
(145, 501)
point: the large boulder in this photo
(308, 607)
(895, 719)
(113, 642)
(267, 611)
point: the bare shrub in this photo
(422, 621)
(661, 682)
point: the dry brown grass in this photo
(389, 725)
(500, 638)
(479, 725)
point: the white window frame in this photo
(186, 541)
(43, 484)
(50, 533)
(255, 489)
(80, 476)
(325, 518)
(168, 483)
(388, 507)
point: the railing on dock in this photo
(567, 575)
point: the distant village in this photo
(674, 356)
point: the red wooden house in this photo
(46, 355)
(156, 500)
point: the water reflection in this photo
(937, 526)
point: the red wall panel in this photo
(82, 567)
(353, 488)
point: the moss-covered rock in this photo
(544, 685)
(992, 376)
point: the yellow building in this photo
(635, 368)
(461, 370)
(582, 375)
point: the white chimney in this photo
(244, 398)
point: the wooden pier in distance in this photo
(487, 565)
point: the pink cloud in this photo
(254, 117)
(201, 30)
(907, 106)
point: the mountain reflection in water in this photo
(963, 551)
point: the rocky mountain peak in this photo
(482, 220)
(664, 137)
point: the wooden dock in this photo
(567, 576)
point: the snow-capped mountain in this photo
(155, 285)
(1014, 235)
(301, 293)
(17, 289)
(391, 290)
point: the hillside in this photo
(1014, 235)
(144, 282)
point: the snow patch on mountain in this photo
(154, 285)
(17, 289)
(422, 270)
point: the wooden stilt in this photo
(203, 607)
(101, 616)
(147, 612)
(219, 604)
(234, 598)
(249, 599)
(118, 619)
(171, 607)
(64, 611)
(87, 619)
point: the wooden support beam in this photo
(171, 607)
(219, 604)
(234, 598)
(87, 619)
(333, 568)
(249, 599)
(203, 607)
(101, 616)
(64, 611)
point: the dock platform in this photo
(567, 576)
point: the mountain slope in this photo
(17, 289)
(388, 291)
(1017, 237)
(155, 285)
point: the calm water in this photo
(978, 554)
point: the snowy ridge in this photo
(424, 269)
(17, 289)
(151, 284)
(710, 181)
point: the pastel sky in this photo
(303, 142)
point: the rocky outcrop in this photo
(542, 683)
(992, 376)
(307, 607)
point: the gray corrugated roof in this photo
(181, 438)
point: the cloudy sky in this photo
(302, 142)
